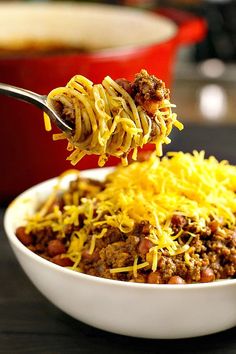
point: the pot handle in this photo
(191, 28)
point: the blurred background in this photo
(205, 74)
(194, 52)
(204, 85)
(204, 81)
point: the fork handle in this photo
(23, 95)
(37, 100)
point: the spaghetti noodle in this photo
(115, 117)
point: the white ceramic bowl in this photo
(140, 310)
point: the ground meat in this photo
(147, 91)
(211, 254)
(112, 235)
(119, 250)
(142, 228)
(125, 84)
(67, 113)
(178, 222)
(149, 87)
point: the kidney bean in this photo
(146, 229)
(232, 259)
(207, 275)
(40, 248)
(24, 237)
(63, 262)
(213, 225)
(90, 257)
(176, 280)
(178, 220)
(55, 247)
(144, 246)
(154, 278)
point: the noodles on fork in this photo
(115, 117)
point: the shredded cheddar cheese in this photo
(133, 268)
(47, 122)
(153, 191)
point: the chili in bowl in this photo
(127, 282)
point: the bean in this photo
(63, 262)
(24, 237)
(233, 258)
(178, 220)
(213, 225)
(90, 257)
(176, 280)
(146, 229)
(55, 247)
(154, 278)
(144, 246)
(207, 275)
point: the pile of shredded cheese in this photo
(155, 190)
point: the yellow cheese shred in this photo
(155, 190)
(201, 189)
(130, 268)
(47, 122)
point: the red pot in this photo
(28, 153)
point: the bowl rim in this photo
(13, 240)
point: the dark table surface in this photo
(30, 324)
